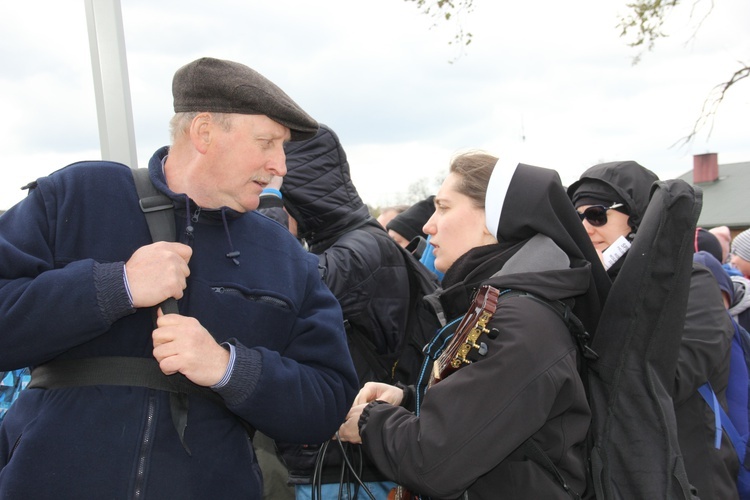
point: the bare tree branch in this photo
(645, 23)
(711, 105)
(700, 23)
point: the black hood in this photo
(410, 222)
(318, 190)
(536, 203)
(628, 179)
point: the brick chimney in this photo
(705, 168)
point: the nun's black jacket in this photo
(470, 425)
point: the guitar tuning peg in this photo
(493, 333)
(482, 351)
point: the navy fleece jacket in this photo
(62, 297)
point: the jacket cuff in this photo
(111, 294)
(365, 416)
(409, 400)
(244, 377)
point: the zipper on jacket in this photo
(146, 443)
(255, 298)
(189, 229)
(196, 215)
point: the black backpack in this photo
(404, 363)
(422, 324)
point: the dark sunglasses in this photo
(597, 214)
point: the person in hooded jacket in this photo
(124, 400)
(407, 227)
(737, 396)
(361, 265)
(611, 199)
(512, 227)
(364, 268)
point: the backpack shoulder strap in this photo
(722, 420)
(574, 325)
(159, 212)
(156, 206)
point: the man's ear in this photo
(201, 129)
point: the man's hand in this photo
(349, 430)
(158, 271)
(181, 344)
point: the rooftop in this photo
(726, 199)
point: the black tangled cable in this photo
(351, 471)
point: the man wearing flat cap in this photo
(258, 342)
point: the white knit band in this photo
(496, 191)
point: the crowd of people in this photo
(277, 369)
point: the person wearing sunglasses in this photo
(612, 209)
(611, 199)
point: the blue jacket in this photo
(62, 296)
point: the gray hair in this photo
(180, 122)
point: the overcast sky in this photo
(547, 82)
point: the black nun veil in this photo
(523, 201)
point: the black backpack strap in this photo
(582, 338)
(159, 212)
(156, 206)
(121, 371)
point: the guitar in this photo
(464, 341)
(457, 353)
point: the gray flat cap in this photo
(209, 84)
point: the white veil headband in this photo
(497, 188)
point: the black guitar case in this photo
(635, 451)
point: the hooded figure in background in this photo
(706, 241)
(619, 194)
(469, 432)
(407, 227)
(622, 187)
(363, 267)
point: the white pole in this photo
(111, 85)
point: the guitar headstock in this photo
(464, 341)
